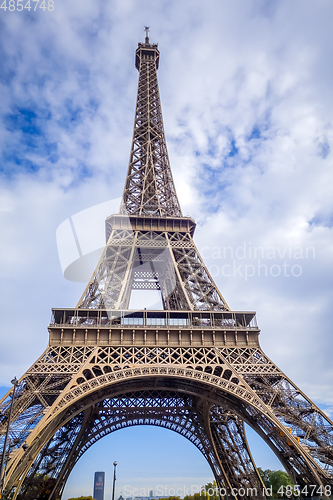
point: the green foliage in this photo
(265, 476)
(278, 479)
(275, 479)
(170, 498)
(199, 496)
(82, 498)
(208, 492)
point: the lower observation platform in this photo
(145, 327)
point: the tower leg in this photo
(239, 476)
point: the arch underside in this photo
(60, 408)
(217, 432)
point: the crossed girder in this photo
(167, 261)
(167, 409)
(173, 410)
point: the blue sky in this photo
(246, 90)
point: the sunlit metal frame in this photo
(196, 367)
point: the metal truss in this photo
(151, 260)
(195, 368)
(149, 187)
(166, 409)
(146, 259)
(220, 388)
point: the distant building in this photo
(99, 485)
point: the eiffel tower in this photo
(195, 367)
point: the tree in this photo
(278, 479)
(208, 492)
(265, 476)
(275, 479)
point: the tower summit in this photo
(149, 187)
(150, 50)
(195, 367)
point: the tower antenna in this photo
(147, 36)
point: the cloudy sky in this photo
(247, 99)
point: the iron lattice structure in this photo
(195, 367)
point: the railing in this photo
(152, 319)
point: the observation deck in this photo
(147, 327)
(149, 223)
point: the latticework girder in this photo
(165, 261)
(149, 187)
(162, 408)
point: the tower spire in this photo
(149, 187)
(147, 36)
